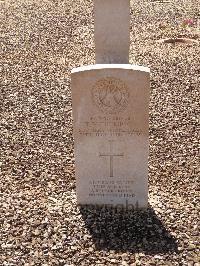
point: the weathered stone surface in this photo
(112, 31)
(110, 113)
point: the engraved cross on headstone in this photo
(111, 155)
(112, 31)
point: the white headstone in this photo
(112, 31)
(110, 120)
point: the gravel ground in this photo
(40, 223)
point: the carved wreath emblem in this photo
(111, 95)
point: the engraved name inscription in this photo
(108, 126)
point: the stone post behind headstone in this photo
(112, 31)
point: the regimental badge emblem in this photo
(111, 95)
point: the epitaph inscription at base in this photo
(110, 116)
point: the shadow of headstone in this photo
(132, 231)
